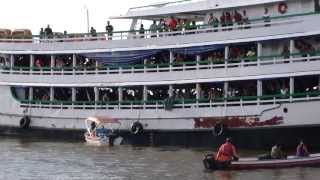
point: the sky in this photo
(69, 15)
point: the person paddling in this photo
(227, 152)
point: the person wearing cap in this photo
(227, 152)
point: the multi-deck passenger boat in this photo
(247, 69)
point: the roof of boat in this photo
(103, 119)
(186, 7)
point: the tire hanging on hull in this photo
(218, 129)
(25, 122)
(136, 128)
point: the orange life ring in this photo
(282, 7)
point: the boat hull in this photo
(262, 138)
(253, 163)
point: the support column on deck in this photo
(198, 91)
(291, 85)
(31, 61)
(30, 93)
(171, 59)
(51, 94)
(318, 83)
(120, 94)
(74, 61)
(198, 59)
(259, 52)
(145, 93)
(11, 61)
(145, 61)
(171, 90)
(96, 94)
(225, 89)
(291, 47)
(226, 54)
(74, 93)
(259, 88)
(52, 63)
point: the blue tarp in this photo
(197, 49)
(130, 57)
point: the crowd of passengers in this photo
(227, 18)
(210, 92)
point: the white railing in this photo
(195, 66)
(122, 35)
(182, 105)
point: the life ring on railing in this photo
(136, 128)
(218, 129)
(282, 8)
(25, 122)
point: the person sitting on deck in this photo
(276, 152)
(227, 152)
(302, 150)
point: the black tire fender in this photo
(25, 122)
(136, 128)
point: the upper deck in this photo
(297, 21)
(187, 7)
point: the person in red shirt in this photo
(173, 24)
(227, 152)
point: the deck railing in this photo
(164, 67)
(134, 34)
(176, 103)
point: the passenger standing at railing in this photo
(109, 30)
(238, 18)
(48, 32)
(180, 25)
(153, 29)
(245, 19)
(223, 20)
(141, 31)
(173, 24)
(229, 20)
(266, 17)
(65, 34)
(213, 22)
(285, 52)
(42, 33)
(161, 27)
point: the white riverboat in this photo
(248, 69)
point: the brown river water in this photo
(41, 159)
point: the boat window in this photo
(211, 91)
(62, 94)
(133, 93)
(185, 91)
(22, 60)
(242, 88)
(107, 94)
(85, 94)
(158, 92)
(20, 93)
(275, 86)
(306, 84)
(41, 93)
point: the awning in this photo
(130, 57)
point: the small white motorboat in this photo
(103, 131)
